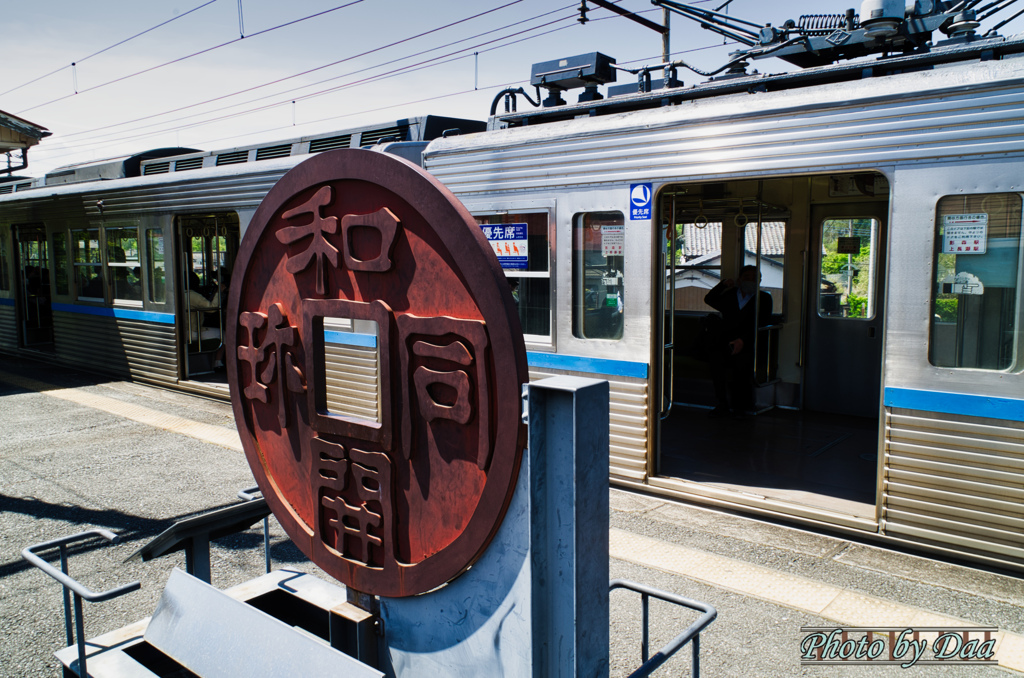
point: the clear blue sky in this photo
(44, 38)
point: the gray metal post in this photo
(197, 557)
(568, 418)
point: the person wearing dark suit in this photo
(743, 310)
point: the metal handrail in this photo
(249, 494)
(80, 591)
(668, 335)
(650, 664)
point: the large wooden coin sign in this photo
(403, 502)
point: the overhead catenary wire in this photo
(320, 68)
(421, 101)
(306, 72)
(108, 48)
(400, 104)
(194, 54)
(293, 98)
(435, 61)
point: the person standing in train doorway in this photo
(732, 355)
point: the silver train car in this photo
(117, 266)
(880, 202)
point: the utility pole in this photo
(663, 29)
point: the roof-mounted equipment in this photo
(585, 70)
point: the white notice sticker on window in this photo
(964, 233)
(613, 240)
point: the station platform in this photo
(78, 451)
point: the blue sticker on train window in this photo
(640, 201)
(508, 242)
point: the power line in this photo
(312, 70)
(435, 98)
(194, 54)
(107, 49)
(308, 71)
(381, 108)
(429, 63)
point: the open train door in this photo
(207, 245)
(808, 445)
(35, 317)
(844, 310)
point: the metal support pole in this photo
(568, 419)
(249, 494)
(68, 632)
(645, 642)
(197, 558)
(666, 50)
(80, 625)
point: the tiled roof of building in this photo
(699, 242)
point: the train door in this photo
(206, 249)
(843, 366)
(35, 317)
(804, 440)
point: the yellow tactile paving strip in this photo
(846, 608)
(217, 435)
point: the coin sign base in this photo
(402, 502)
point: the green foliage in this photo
(858, 306)
(946, 310)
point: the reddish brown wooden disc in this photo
(401, 504)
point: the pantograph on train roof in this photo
(902, 35)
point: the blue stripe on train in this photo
(571, 363)
(350, 339)
(966, 404)
(119, 313)
(600, 366)
(6, 302)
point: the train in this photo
(877, 190)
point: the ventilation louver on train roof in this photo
(330, 143)
(6, 188)
(371, 137)
(271, 152)
(188, 164)
(156, 168)
(232, 158)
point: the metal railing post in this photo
(248, 494)
(80, 592)
(691, 634)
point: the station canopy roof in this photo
(16, 133)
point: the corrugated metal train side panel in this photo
(123, 348)
(629, 424)
(8, 328)
(955, 483)
(922, 117)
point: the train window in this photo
(598, 246)
(125, 275)
(974, 296)
(521, 242)
(5, 273)
(87, 264)
(60, 263)
(156, 265)
(846, 271)
(351, 385)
